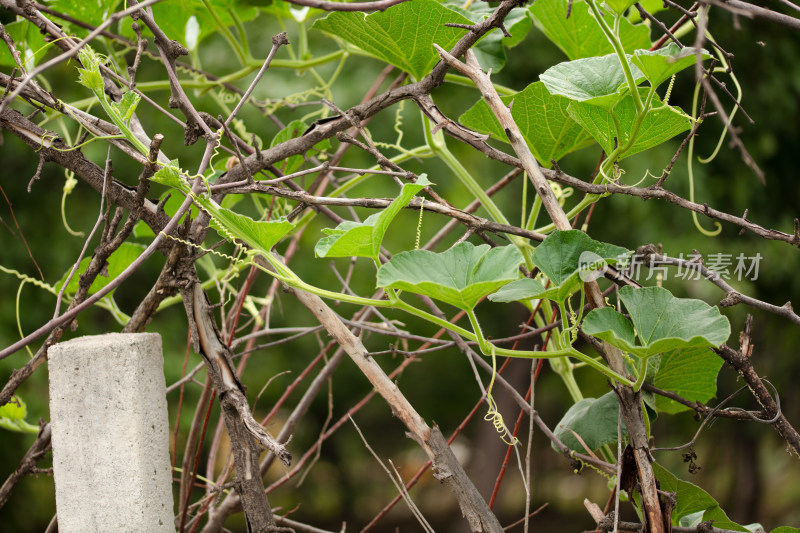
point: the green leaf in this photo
(12, 417)
(599, 80)
(173, 16)
(785, 529)
(660, 124)
(171, 204)
(691, 499)
(661, 64)
(490, 50)
(126, 107)
(579, 35)
(29, 42)
(662, 323)
(89, 76)
(171, 177)
(363, 239)
(259, 235)
(460, 276)
(651, 6)
(403, 35)
(594, 420)
(690, 373)
(93, 12)
(521, 290)
(117, 262)
(14, 410)
(619, 6)
(292, 130)
(566, 257)
(542, 119)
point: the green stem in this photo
(410, 309)
(226, 33)
(613, 39)
(637, 386)
(300, 64)
(437, 143)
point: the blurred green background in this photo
(744, 465)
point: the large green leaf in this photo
(261, 236)
(12, 417)
(490, 50)
(521, 290)
(594, 420)
(403, 35)
(295, 129)
(661, 321)
(692, 499)
(460, 276)
(579, 35)
(93, 12)
(117, 262)
(661, 64)
(613, 126)
(29, 42)
(173, 17)
(619, 6)
(567, 258)
(363, 239)
(542, 119)
(690, 373)
(599, 80)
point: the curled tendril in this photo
(669, 90)
(419, 223)
(493, 415)
(561, 193)
(206, 250)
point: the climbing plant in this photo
(271, 138)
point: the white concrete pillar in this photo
(108, 411)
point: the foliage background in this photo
(744, 465)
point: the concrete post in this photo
(108, 412)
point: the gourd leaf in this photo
(261, 236)
(116, 263)
(521, 290)
(29, 42)
(127, 105)
(460, 276)
(593, 419)
(403, 35)
(363, 239)
(12, 417)
(690, 373)
(659, 65)
(490, 50)
(567, 258)
(542, 119)
(172, 17)
(292, 130)
(579, 35)
(599, 80)
(612, 126)
(691, 499)
(662, 323)
(619, 6)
